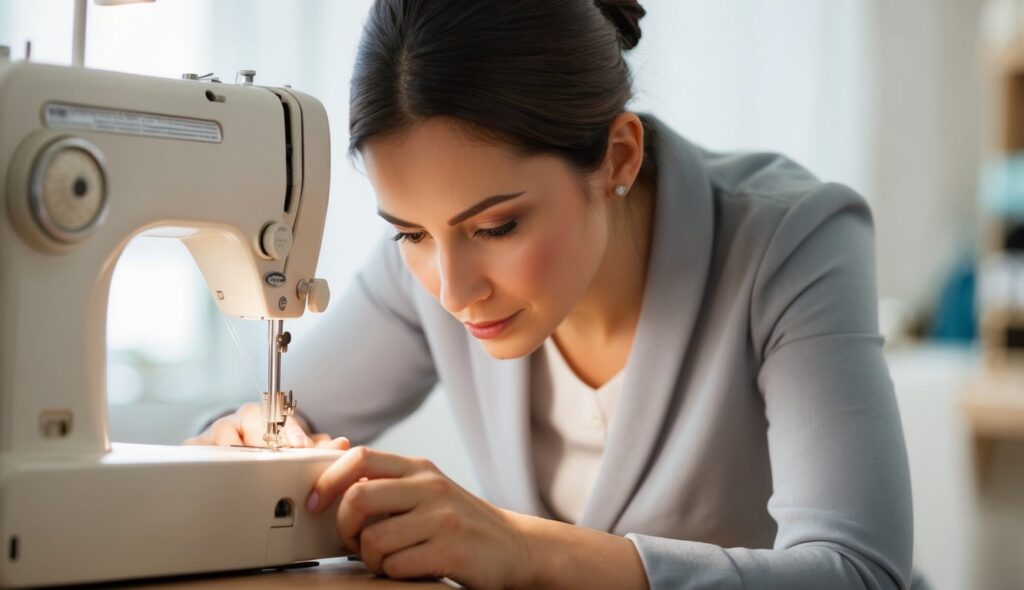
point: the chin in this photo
(511, 347)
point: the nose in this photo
(462, 283)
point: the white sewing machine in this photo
(88, 160)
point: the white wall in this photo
(883, 96)
(925, 139)
(787, 76)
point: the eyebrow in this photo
(474, 210)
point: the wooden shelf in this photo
(994, 407)
(1007, 75)
(1009, 58)
(993, 403)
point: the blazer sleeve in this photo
(841, 485)
(367, 364)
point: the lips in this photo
(487, 330)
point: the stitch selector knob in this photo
(275, 240)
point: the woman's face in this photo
(506, 244)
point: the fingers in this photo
(374, 497)
(298, 438)
(250, 423)
(295, 435)
(423, 560)
(354, 465)
(337, 444)
(250, 418)
(393, 534)
(245, 427)
(224, 432)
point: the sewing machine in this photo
(88, 160)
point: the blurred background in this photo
(916, 104)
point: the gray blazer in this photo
(757, 442)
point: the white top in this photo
(569, 423)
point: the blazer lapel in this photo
(676, 276)
(503, 386)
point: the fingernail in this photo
(313, 501)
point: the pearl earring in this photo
(621, 190)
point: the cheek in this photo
(529, 272)
(553, 264)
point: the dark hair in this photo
(541, 76)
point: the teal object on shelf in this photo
(1002, 186)
(955, 317)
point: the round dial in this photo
(72, 190)
(275, 240)
(68, 190)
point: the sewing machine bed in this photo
(147, 510)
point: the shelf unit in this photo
(994, 400)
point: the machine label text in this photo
(68, 116)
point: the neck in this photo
(610, 309)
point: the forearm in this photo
(567, 556)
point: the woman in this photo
(665, 361)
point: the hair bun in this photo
(625, 15)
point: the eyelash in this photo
(487, 234)
(497, 232)
(411, 237)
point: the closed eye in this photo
(497, 232)
(411, 237)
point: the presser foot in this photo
(273, 441)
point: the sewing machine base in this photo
(143, 511)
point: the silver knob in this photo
(246, 75)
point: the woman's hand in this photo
(245, 427)
(407, 520)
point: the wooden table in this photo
(336, 573)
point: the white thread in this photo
(238, 345)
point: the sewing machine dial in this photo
(57, 191)
(68, 190)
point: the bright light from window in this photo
(154, 308)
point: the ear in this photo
(625, 154)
